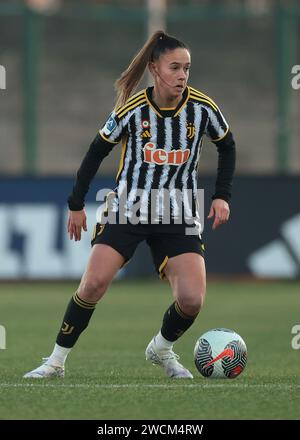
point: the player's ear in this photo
(152, 68)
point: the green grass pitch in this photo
(107, 376)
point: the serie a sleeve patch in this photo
(110, 125)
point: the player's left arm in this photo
(219, 133)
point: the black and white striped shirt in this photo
(160, 150)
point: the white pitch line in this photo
(163, 386)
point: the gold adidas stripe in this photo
(198, 98)
(135, 95)
(198, 95)
(136, 104)
(129, 102)
(197, 92)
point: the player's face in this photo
(171, 71)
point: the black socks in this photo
(76, 319)
(175, 322)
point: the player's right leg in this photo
(103, 264)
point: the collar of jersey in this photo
(167, 113)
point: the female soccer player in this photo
(161, 129)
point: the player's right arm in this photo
(107, 137)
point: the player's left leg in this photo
(187, 277)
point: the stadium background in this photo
(61, 64)
(61, 59)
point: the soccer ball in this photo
(220, 353)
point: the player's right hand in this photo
(76, 222)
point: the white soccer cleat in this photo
(44, 371)
(168, 360)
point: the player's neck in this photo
(164, 101)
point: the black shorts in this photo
(165, 241)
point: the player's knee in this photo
(92, 289)
(191, 306)
(192, 303)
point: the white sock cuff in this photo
(59, 355)
(163, 343)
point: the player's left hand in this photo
(220, 210)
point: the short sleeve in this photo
(216, 127)
(114, 129)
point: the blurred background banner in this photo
(262, 239)
(61, 58)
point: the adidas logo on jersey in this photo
(163, 157)
(146, 134)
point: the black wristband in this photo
(73, 206)
(221, 196)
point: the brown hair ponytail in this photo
(131, 77)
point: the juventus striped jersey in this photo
(160, 150)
